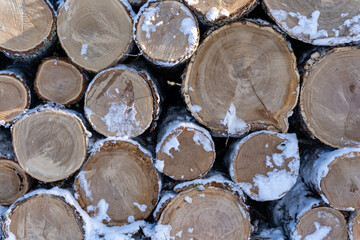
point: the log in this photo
(119, 174)
(230, 86)
(264, 164)
(319, 23)
(329, 99)
(49, 143)
(58, 80)
(166, 32)
(15, 96)
(304, 216)
(27, 28)
(213, 12)
(14, 181)
(334, 175)
(184, 150)
(95, 34)
(122, 102)
(43, 216)
(354, 226)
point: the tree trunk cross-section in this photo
(330, 97)
(50, 144)
(95, 34)
(121, 174)
(44, 216)
(166, 32)
(122, 102)
(317, 22)
(230, 85)
(27, 28)
(57, 80)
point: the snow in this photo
(159, 165)
(158, 232)
(272, 234)
(150, 14)
(190, 230)
(320, 233)
(192, 2)
(195, 108)
(189, 27)
(204, 140)
(165, 197)
(172, 143)
(84, 184)
(188, 199)
(234, 124)
(84, 48)
(213, 14)
(142, 207)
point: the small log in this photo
(206, 213)
(318, 23)
(166, 32)
(95, 34)
(306, 217)
(184, 150)
(27, 28)
(14, 181)
(49, 143)
(329, 99)
(264, 164)
(46, 215)
(58, 80)
(119, 174)
(354, 226)
(212, 12)
(122, 102)
(15, 96)
(334, 175)
(230, 86)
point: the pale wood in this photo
(162, 32)
(95, 34)
(122, 174)
(14, 181)
(354, 226)
(58, 80)
(230, 85)
(50, 144)
(210, 213)
(44, 216)
(14, 96)
(122, 102)
(262, 157)
(27, 28)
(317, 22)
(329, 99)
(211, 12)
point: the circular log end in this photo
(59, 81)
(95, 34)
(173, 25)
(122, 176)
(213, 213)
(50, 145)
(230, 85)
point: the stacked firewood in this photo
(179, 119)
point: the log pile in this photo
(179, 119)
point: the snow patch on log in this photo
(158, 232)
(84, 184)
(320, 233)
(271, 234)
(234, 124)
(149, 15)
(213, 14)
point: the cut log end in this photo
(59, 81)
(50, 145)
(118, 170)
(330, 97)
(14, 97)
(321, 222)
(173, 25)
(14, 182)
(230, 86)
(185, 152)
(213, 213)
(95, 34)
(44, 215)
(121, 102)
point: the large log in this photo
(230, 85)
(264, 164)
(95, 34)
(118, 174)
(305, 217)
(27, 28)
(329, 98)
(317, 22)
(122, 102)
(49, 143)
(166, 32)
(334, 175)
(58, 80)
